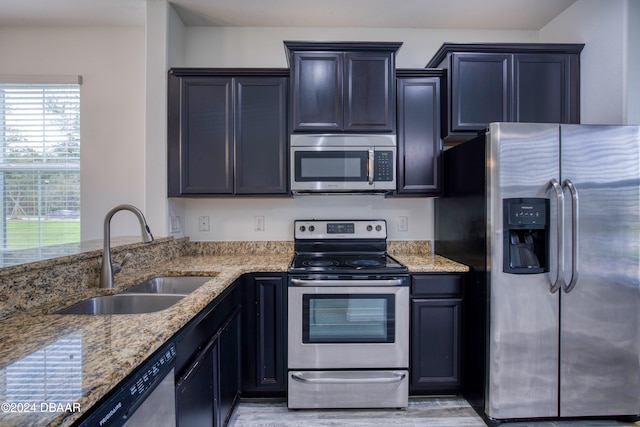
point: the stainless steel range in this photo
(348, 319)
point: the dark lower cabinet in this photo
(264, 335)
(436, 333)
(228, 375)
(208, 363)
(196, 390)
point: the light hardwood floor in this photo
(422, 412)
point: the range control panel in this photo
(339, 229)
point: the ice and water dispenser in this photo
(526, 235)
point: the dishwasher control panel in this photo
(127, 396)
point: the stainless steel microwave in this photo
(349, 163)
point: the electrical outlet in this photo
(203, 223)
(258, 223)
(403, 223)
(175, 224)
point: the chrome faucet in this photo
(109, 269)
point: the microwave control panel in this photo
(383, 166)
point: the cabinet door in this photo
(229, 369)
(542, 88)
(196, 390)
(261, 135)
(419, 142)
(317, 91)
(480, 85)
(265, 361)
(436, 341)
(369, 95)
(206, 146)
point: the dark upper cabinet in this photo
(480, 86)
(227, 132)
(338, 87)
(544, 89)
(203, 138)
(419, 140)
(261, 135)
(509, 82)
(316, 90)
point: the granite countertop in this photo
(108, 348)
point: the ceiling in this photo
(436, 14)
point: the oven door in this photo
(325, 169)
(348, 324)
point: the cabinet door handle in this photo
(193, 368)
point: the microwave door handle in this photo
(370, 166)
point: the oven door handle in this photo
(336, 379)
(342, 283)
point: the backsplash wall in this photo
(233, 219)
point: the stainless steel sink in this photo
(180, 285)
(123, 304)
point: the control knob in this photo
(302, 228)
(311, 228)
(369, 227)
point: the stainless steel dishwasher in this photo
(145, 398)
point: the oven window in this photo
(331, 165)
(341, 318)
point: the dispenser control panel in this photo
(527, 212)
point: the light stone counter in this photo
(100, 351)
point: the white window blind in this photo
(39, 171)
(52, 374)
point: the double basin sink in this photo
(152, 295)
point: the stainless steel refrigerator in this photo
(548, 218)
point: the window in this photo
(39, 170)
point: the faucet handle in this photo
(118, 267)
(126, 258)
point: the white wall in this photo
(124, 71)
(633, 62)
(603, 27)
(232, 219)
(111, 62)
(263, 47)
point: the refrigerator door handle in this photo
(559, 282)
(574, 235)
